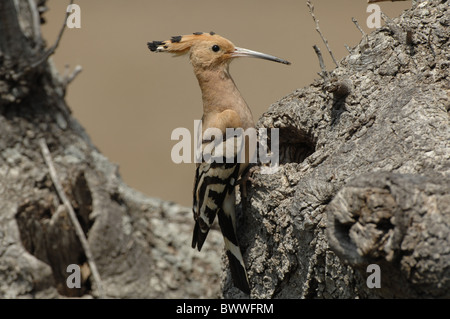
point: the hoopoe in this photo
(223, 107)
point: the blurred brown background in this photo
(130, 100)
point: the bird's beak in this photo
(241, 52)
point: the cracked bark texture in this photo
(364, 178)
(139, 243)
(364, 175)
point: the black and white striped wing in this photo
(214, 194)
(212, 182)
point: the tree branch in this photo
(323, 74)
(52, 49)
(358, 26)
(79, 231)
(311, 11)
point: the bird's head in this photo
(207, 50)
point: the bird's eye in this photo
(215, 48)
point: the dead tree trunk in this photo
(365, 174)
(138, 243)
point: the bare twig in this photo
(52, 50)
(68, 78)
(358, 26)
(311, 11)
(348, 48)
(362, 32)
(323, 74)
(396, 30)
(79, 231)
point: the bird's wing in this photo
(218, 172)
(213, 181)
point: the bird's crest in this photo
(181, 44)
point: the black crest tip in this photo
(153, 46)
(176, 39)
(212, 33)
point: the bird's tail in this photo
(198, 237)
(235, 259)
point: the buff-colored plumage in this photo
(223, 107)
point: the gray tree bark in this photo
(139, 244)
(365, 174)
(364, 179)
